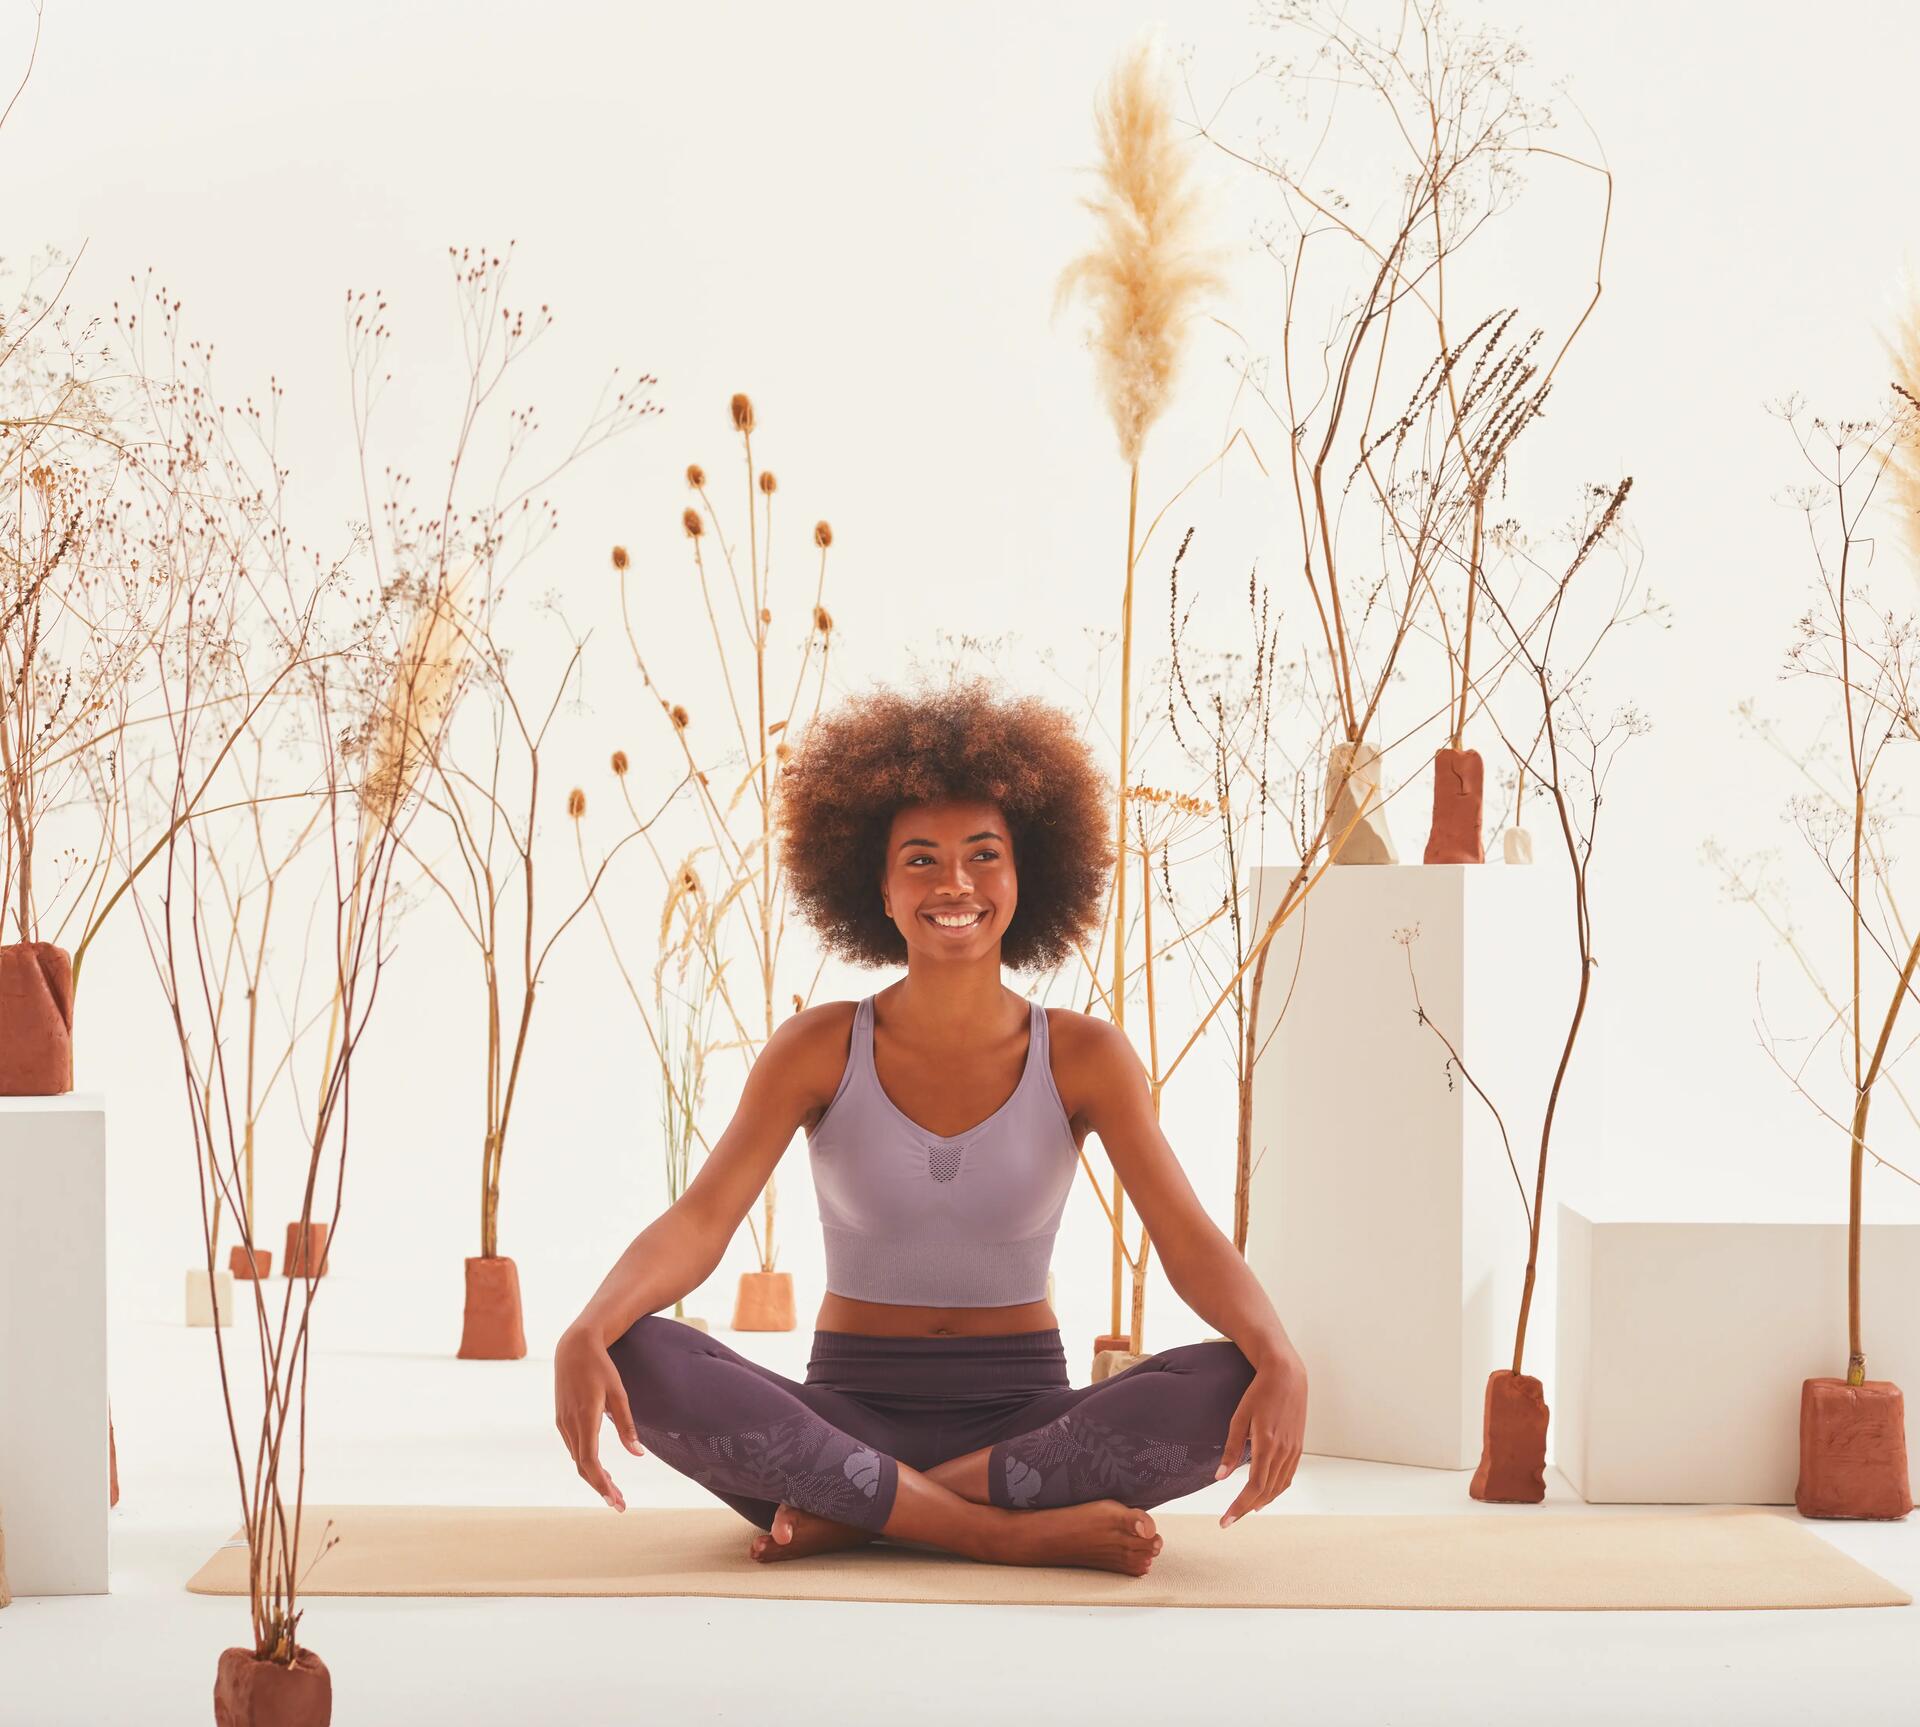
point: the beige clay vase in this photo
(765, 1301)
(209, 1302)
(490, 1328)
(697, 1323)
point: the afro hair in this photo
(880, 749)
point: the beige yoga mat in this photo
(1720, 1557)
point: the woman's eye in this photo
(984, 852)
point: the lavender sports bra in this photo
(916, 1219)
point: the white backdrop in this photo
(856, 214)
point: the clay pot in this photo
(1513, 1441)
(1516, 846)
(1853, 1450)
(250, 1267)
(1353, 777)
(1459, 777)
(491, 1329)
(249, 1692)
(764, 1301)
(209, 1300)
(306, 1254)
(36, 1020)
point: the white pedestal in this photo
(53, 1343)
(1385, 1221)
(1682, 1347)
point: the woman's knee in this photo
(1217, 1362)
(650, 1357)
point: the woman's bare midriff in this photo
(886, 1319)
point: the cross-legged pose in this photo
(944, 1116)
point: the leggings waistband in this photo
(949, 1367)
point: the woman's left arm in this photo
(1206, 1270)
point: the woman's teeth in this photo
(960, 923)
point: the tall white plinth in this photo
(53, 1343)
(1682, 1347)
(1385, 1221)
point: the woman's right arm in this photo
(681, 1248)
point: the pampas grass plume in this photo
(1903, 464)
(1149, 267)
(427, 673)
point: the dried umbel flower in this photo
(742, 414)
(690, 520)
(619, 557)
(620, 763)
(680, 716)
(768, 483)
(823, 620)
(822, 535)
(696, 475)
(576, 803)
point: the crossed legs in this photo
(816, 1468)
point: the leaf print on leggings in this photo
(1075, 1459)
(802, 1459)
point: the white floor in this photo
(394, 1418)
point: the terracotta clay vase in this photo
(764, 1301)
(1853, 1450)
(1513, 1441)
(36, 1020)
(491, 1328)
(1459, 778)
(1353, 779)
(250, 1267)
(306, 1254)
(249, 1692)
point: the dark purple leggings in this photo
(834, 1445)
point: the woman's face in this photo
(948, 858)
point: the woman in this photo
(944, 1116)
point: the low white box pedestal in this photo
(1682, 1347)
(1384, 1219)
(53, 1343)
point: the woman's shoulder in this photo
(818, 1042)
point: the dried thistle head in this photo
(576, 803)
(1149, 267)
(823, 620)
(620, 557)
(742, 410)
(690, 520)
(768, 483)
(696, 475)
(680, 717)
(620, 764)
(822, 535)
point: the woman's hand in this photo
(1273, 1415)
(586, 1387)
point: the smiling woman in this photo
(958, 832)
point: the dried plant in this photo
(1865, 660)
(748, 882)
(484, 780)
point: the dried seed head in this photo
(576, 803)
(766, 617)
(680, 716)
(619, 557)
(742, 414)
(768, 483)
(782, 751)
(822, 535)
(823, 620)
(690, 520)
(620, 763)
(696, 475)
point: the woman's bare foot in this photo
(807, 1534)
(1102, 1534)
